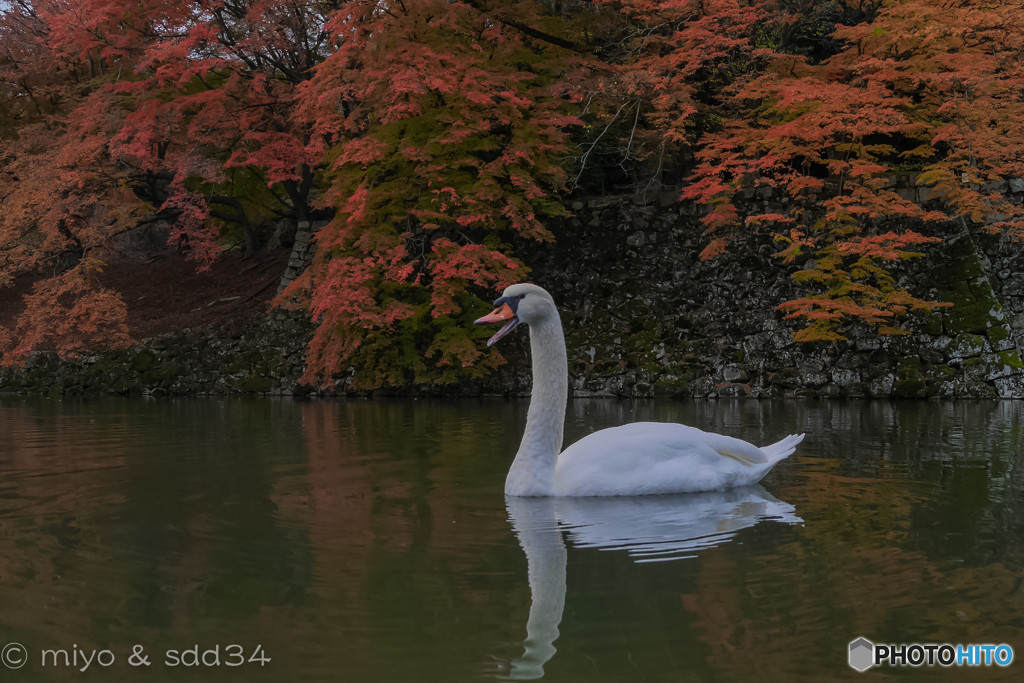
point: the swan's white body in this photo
(657, 457)
(635, 459)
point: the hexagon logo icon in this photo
(862, 654)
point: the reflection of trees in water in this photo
(914, 527)
(141, 514)
(411, 564)
(963, 451)
(857, 567)
(371, 538)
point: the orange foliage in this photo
(64, 203)
(928, 86)
(443, 124)
(70, 314)
(435, 134)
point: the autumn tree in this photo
(62, 197)
(204, 99)
(758, 98)
(436, 134)
(932, 88)
(444, 125)
(131, 112)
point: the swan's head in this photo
(520, 303)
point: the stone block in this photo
(881, 387)
(735, 373)
(734, 390)
(974, 390)
(830, 391)
(909, 388)
(844, 377)
(967, 346)
(703, 386)
(814, 379)
(851, 361)
(869, 344)
(1010, 387)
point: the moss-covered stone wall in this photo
(645, 317)
(263, 356)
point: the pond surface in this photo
(371, 541)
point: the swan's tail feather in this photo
(784, 448)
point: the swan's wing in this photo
(655, 457)
(666, 440)
(737, 449)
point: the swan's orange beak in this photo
(499, 314)
(503, 312)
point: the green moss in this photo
(933, 324)
(260, 385)
(143, 362)
(1011, 358)
(672, 387)
(938, 372)
(966, 345)
(968, 317)
(977, 390)
(961, 281)
(910, 388)
(909, 369)
(998, 333)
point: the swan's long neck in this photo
(533, 471)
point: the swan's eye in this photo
(522, 296)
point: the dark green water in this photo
(371, 541)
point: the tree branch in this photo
(539, 35)
(528, 30)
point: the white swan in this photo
(635, 459)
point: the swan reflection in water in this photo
(649, 528)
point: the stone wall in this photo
(263, 356)
(302, 251)
(645, 317)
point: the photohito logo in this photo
(864, 654)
